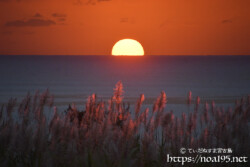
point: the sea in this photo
(71, 79)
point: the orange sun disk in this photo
(127, 47)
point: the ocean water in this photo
(73, 78)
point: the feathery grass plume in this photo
(157, 104)
(44, 98)
(150, 126)
(88, 104)
(118, 97)
(144, 117)
(25, 105)
(189, 98)
(191, 124)
(163, 100)
(118, 92)
(54, 118)
(10, 106)
(198, 100)
(129, 129)
(138, 105)
(183, 121)
(51, 101)
(158, 108)
(110, 105)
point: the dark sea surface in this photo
(73, 78)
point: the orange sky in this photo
(91, 27)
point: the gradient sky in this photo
(91, 27)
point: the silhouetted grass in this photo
(110, 133)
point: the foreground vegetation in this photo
(107, 134)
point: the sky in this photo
(92, 27)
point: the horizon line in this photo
(110, 55)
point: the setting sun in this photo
(127, 47)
